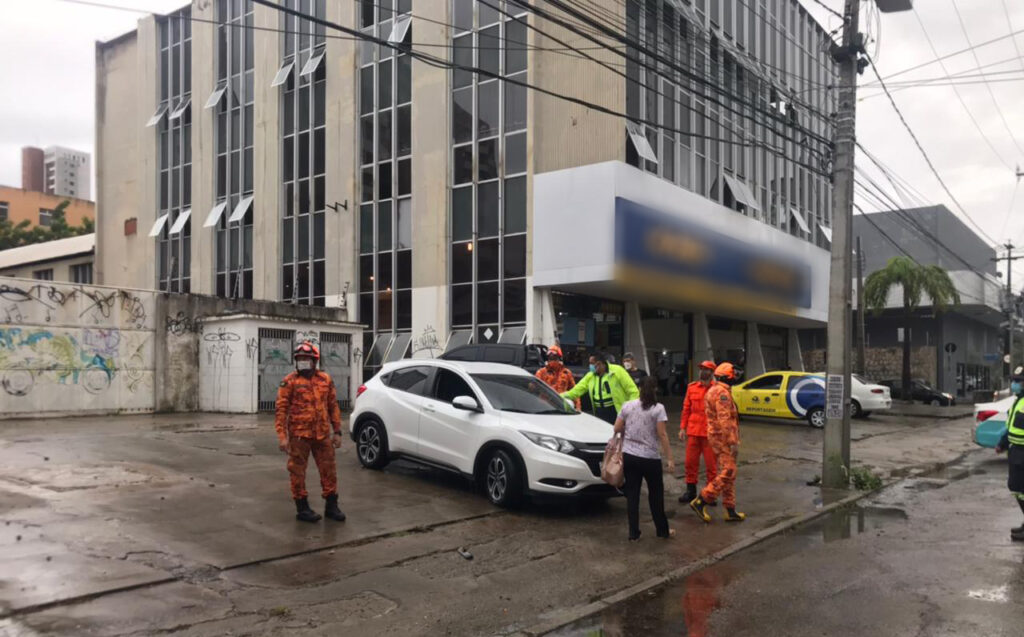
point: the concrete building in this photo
(959, 350)
(57, 171)
(245, 152)
(32, 169)
(67, 259)
(17, 205)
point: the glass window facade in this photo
(234, 132)
(487, 217)
(174, 147)
(766, 87)
(385, 160)
(303, 155)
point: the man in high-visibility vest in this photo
(1013, 441)
(609, 387)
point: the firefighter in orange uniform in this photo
(309, 421)
(693, 428)
(724, 436)
(556, 374)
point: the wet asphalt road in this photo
(927, 557)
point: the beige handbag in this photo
(611, 467)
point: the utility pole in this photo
(835, 470)
(1010, 305)
(861, 364)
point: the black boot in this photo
(303, 513)
(691, 493)
(331, 510)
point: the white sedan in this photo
(867, 397)
(495, 424)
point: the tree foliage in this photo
(916, 282)
(16, 235)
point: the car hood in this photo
(577, 428)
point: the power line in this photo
(1009, 24)
(958, 95)
(977, 62)
(953, 54)
(927, 159)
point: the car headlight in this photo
(550, 442)
(948, 396)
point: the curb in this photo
(576, 613)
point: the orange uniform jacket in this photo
(695, 421)
(723, 420)
(560, 380)
(307, 407)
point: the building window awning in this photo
(458, 338)
(158, 225)
(513, 335)
(181, 108)
(179, 223)
(800, 221)
(640, 143)
(400, 30)
(213, 218)
(826, 231)
(313, 63)
(217, 94)
(283, 73)
(158, 115)
(399, 347)
(378, 350)
(742, 193)
(239, 212)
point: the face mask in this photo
(304, 365)
(705, 376)
(593, 369)
(554, 364)
(1016, 388)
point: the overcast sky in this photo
(48, 79)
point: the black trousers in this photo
(647, 470)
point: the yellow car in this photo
(792, 395)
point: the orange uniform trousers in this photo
(299, 449)
(697, 446)
(724, 484)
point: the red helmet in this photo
(555, 350)
(708, 365)
(307, 349)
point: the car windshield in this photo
(862, 380)
(521, 394)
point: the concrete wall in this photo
(884, 363)
(120, 119)
(109, 350)
(72, 349)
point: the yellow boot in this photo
(731, 515)
(700, 508)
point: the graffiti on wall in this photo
(89, 358)
(180, 324)
(427, 342)
(74, 304)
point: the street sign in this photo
(834, 396)
(991, 358)
(950, 348)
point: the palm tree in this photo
(915, 280)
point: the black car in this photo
(529, 357)
(920, 391)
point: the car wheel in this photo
(935, 402)
(855, 411)
(502, 480)
(372, 444)
(816, 418)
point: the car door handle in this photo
(775, 393)
(429, 409)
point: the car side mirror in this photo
(466, 403)
(570, 405)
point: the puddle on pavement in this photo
(685, 607)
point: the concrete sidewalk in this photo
(141, 524)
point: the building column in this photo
(266, 156)
(794, 357)
(204, 134)
(635, 334)
(542, 325)
(702, 349)
(755, 357)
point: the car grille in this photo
(591, 453)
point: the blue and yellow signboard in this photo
(680, 258)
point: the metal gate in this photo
(336, 360)
(275, 363)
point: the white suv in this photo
(495, 424)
